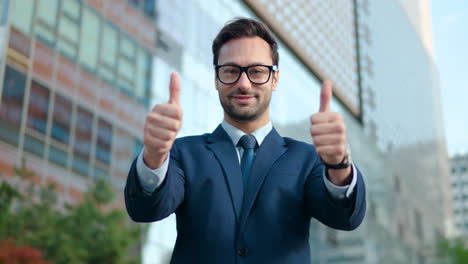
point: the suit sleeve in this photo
(143, 206)
(342, 215)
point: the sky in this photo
(450, 36)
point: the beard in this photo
(244, 112)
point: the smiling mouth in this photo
(243, 98)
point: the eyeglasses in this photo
(257, 74)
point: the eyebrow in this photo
(235, 64)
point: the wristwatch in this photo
(342, 165)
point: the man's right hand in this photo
(161, 127)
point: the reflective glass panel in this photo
(21, 15)
(82, 146)
(46, 20)
(38, 107)
(104, 140)
(14, 84)
(89, 39)
(62, 119)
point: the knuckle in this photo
(313, 118)
(152, 118)
(340, 127)
(157, 108)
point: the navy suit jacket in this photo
(218, 223)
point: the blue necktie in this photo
(248, 143)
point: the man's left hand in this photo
(328, 133)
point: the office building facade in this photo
(459, 180)
(76, 78)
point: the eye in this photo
(229, 70)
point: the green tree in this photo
(87, 232)
(454, 251)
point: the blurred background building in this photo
(80, 75)
(459, 175)
(76, 85)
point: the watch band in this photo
(342, 165)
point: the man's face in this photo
(244, 100)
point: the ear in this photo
(275, 80)
(216, 83)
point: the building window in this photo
(89, 39)
(33, 145)
(104, 140)
(82, 146)
(38, 107)
(126, 64)
(149, 7)
(11, 106)
(144, 67)
(69, 28)
(122, 155)
(21, 15)
(58, 156)
(46, 21)
(101, 173)
(109, 45)
(61, 119)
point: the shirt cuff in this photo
(150, 179)
(341, 192)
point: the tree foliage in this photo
(83, 233)
(454, 251)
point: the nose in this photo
(244, 83)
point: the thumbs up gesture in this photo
(328, 133)
(161, 127)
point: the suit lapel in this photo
(224, 150)
(271, 149)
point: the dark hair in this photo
(244, 27)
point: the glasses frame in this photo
(271, 68)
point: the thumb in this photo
(174, 89)
(325, 96)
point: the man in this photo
(244, 194)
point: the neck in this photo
(248, 126)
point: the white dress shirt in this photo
(150, 179)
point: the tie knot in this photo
(247, 142)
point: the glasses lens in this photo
(229, 74)
(258, 74)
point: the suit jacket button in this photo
(243, 252)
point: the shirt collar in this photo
(235, 134)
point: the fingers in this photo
(325, 96)
(325, 117)
(161, 133)
(174, 89)
(169, 110)
(164, 122)
(158, 146)
(329, 140)
(327, 128)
